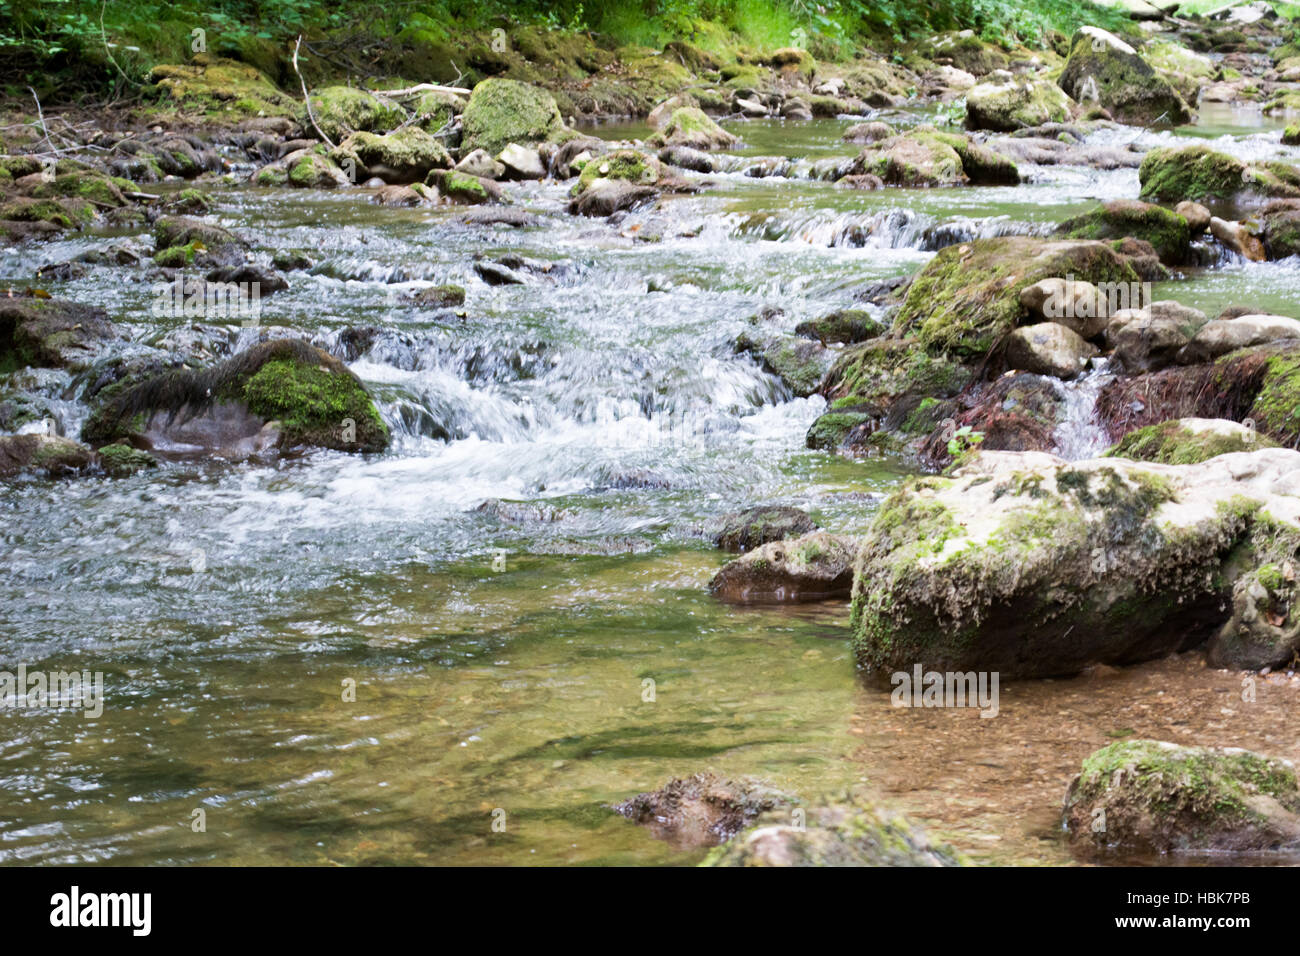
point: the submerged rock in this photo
(852, 832)
(703, 810)
(1156, 797)
(754, 527)
(1028, 565)
(815, 567)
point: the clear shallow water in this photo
(602, 400)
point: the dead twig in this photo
(311, 115)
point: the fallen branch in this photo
(40, 115)
(307, 99)
(421, 88)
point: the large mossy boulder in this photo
(1167, 231)
(968, 296)
(343, 110)
(1009, 104)
(1102, 68)
(851, 831)
(1188, 441)
(51, 333)
(963, 50)
(403, 156)
(1280, 226)
(1149, 796)
(1031, 566)
(1198, 173)
(279, 394)
(926, 156)
(501, 112)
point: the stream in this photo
(517, 588)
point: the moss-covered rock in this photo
(963, 50)
(403, 156)
(1102, 68)
(1198, 172)
(464, 188)
(1280, 228)
(343, 110)
(49, 455)
(621, 165)
(815, 567)
(283, 391)
(1186, 70)
(754, 527)
(1186, 441)
(56, 212)
(968, 296)
(1030, 566)
(120, 460)
(799, 363)
(849, 326)
(1011, 104)
(104, 191)
(849, 832)
(502, 111)
(692, 127)
(212, 244)
(1167, 231)
(52, 333)
(222, 87)
(1156, 797)
(926, 156)
(312, 169)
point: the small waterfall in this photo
(1079, 435)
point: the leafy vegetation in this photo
(112, 43)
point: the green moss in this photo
(1171, 443)
(310, 402)
(1198, 172)
(502, 111)
(1167, 231)
(1277, 404)
(968, 296)
(464, 188)
(120, 460)
(341, 110)
(829, 430)
(176, 257)
(628, 165)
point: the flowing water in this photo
(517, 589)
